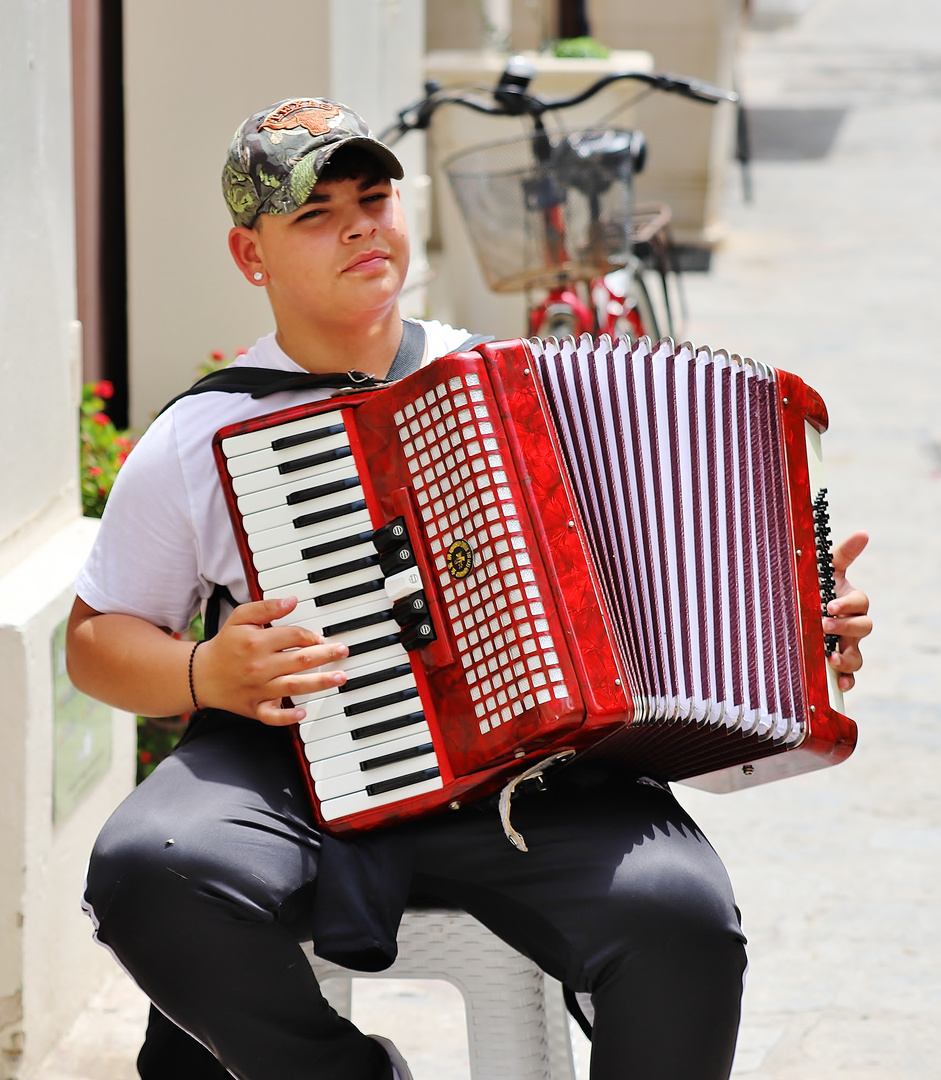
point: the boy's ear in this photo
(243, 244)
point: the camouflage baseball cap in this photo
(278, 154)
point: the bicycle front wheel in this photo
(629, 310)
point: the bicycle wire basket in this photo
(539, 223)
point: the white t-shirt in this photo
(166, 537)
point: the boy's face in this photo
(342, 256)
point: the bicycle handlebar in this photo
(510, 96)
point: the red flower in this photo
(145, 756)
(101, 418)
(102, 493)
(104, 389)
(241, 351)
(217, 355)
(122, 457)
(94, 470)
(122, 443)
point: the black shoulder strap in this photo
(411, 351)
(261, 382)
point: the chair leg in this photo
(561, 1057)
(336, 983)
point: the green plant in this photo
(581, 48)
(102, 448)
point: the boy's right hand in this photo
(250, 665)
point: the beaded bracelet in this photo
(192, 687)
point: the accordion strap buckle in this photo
(532, 773)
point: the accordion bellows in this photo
(609, 547)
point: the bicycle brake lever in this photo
(697, 89)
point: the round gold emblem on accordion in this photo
(460, 559)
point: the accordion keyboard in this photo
(306, 523)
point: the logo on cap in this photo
(303, 112)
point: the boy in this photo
(205, 879)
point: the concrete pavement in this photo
(833, 271)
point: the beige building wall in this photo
(59, 776)
(193, 71)
(690, 145)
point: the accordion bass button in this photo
(396, 559)
(414, 637)
(390, 536)
(403, 584)
(410, 609)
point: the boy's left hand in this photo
(848, 613)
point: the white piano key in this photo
(378, 659)
(253, 441)
(362, 634)
(289, 534)
(337, 786)
(358, 801)
(268, 478)
(343, 743)
(286, 515)
(264, 437)
(308, 613)
(286, 554)
(277, 491)
(292, 460)
(306, 590)
(334, 702)
(299, 570)
(330, 765)
(323, 730)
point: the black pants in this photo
(202, 883)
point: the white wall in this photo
(48, 964)
(193, 72)
(37, 292)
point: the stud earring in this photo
(258, 275)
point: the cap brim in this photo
(372, 146)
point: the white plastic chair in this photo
(517, 1023)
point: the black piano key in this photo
(314, 459)
(399, 755)
(401, 558)
(391, 535)
(363, 589)
(340, 569)
(331, 546)
(396, 782)
(416, 636)
(374, 677)
(319, 490)
(383, 726)
(326, 515)
(373, 644)
(410, 609)
(287, 441)
(339, 628)
(360, 707)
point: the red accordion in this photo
(541, 546)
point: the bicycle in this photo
(554, 210)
